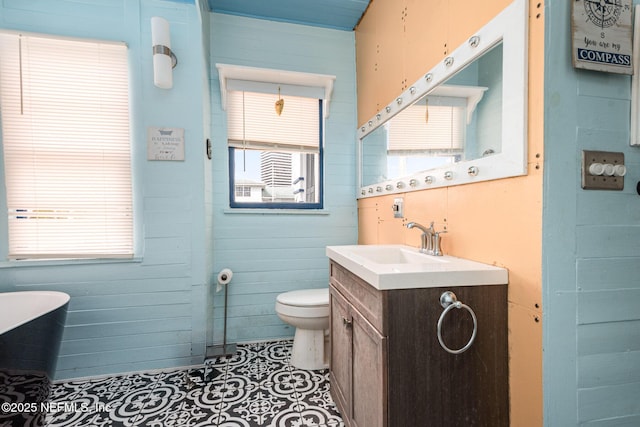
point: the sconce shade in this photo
(163, 59)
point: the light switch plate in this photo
(601, 182)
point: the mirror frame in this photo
(511, 28)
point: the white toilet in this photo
(308, 311)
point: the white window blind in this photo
(252, 122)
(66, 142)
(443, 131)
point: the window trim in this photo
(282, 205)
(228, 75)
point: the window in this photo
(441, 132)
(66, 144)
(275, 159)
(243, 191)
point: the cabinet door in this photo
(369, 365)
(340, 365)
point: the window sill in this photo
(66, 261)
(258, 211)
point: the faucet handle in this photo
(433, 230)
(437, 249)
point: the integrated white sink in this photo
(388, 267)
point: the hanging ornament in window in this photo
(426, 110)
(279, 103)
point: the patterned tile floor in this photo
(255, 387)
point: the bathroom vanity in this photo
(387, 365)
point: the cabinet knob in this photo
(346, 322)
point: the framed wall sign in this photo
(165, 144)
(602, 35)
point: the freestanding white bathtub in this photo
(31, 326)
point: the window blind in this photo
(252, 122)
(444, 130)
(66, 142)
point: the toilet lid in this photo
(305, 297)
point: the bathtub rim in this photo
(14, 315)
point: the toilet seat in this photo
(304, 303)
(305, 297)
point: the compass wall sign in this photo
(602, 35)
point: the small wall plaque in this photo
(602, 35)
(165, 144)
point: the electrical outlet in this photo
(603, 170)
(398, 207)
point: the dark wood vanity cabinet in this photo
(388, 369)
(359, 372)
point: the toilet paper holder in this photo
(224, 278)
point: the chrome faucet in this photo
(430, 239)
(426, 241)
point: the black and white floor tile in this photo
(256, 386)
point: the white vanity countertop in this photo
(388, 267)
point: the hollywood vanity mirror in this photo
(464, 121)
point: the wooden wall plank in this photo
(123, 328)
(601, 274)
(609, 337)
(601, 240)
(130, 355)
(608, 402)
(123, 342)
(608, 306)
(620, 368)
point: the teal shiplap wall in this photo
(591, 245)
(158, 310)
(272, 253)
(128, 316)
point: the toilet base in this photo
(308, 350)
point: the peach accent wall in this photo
(496, 222)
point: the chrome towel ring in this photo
(449, 301)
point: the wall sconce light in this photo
(163, 58)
